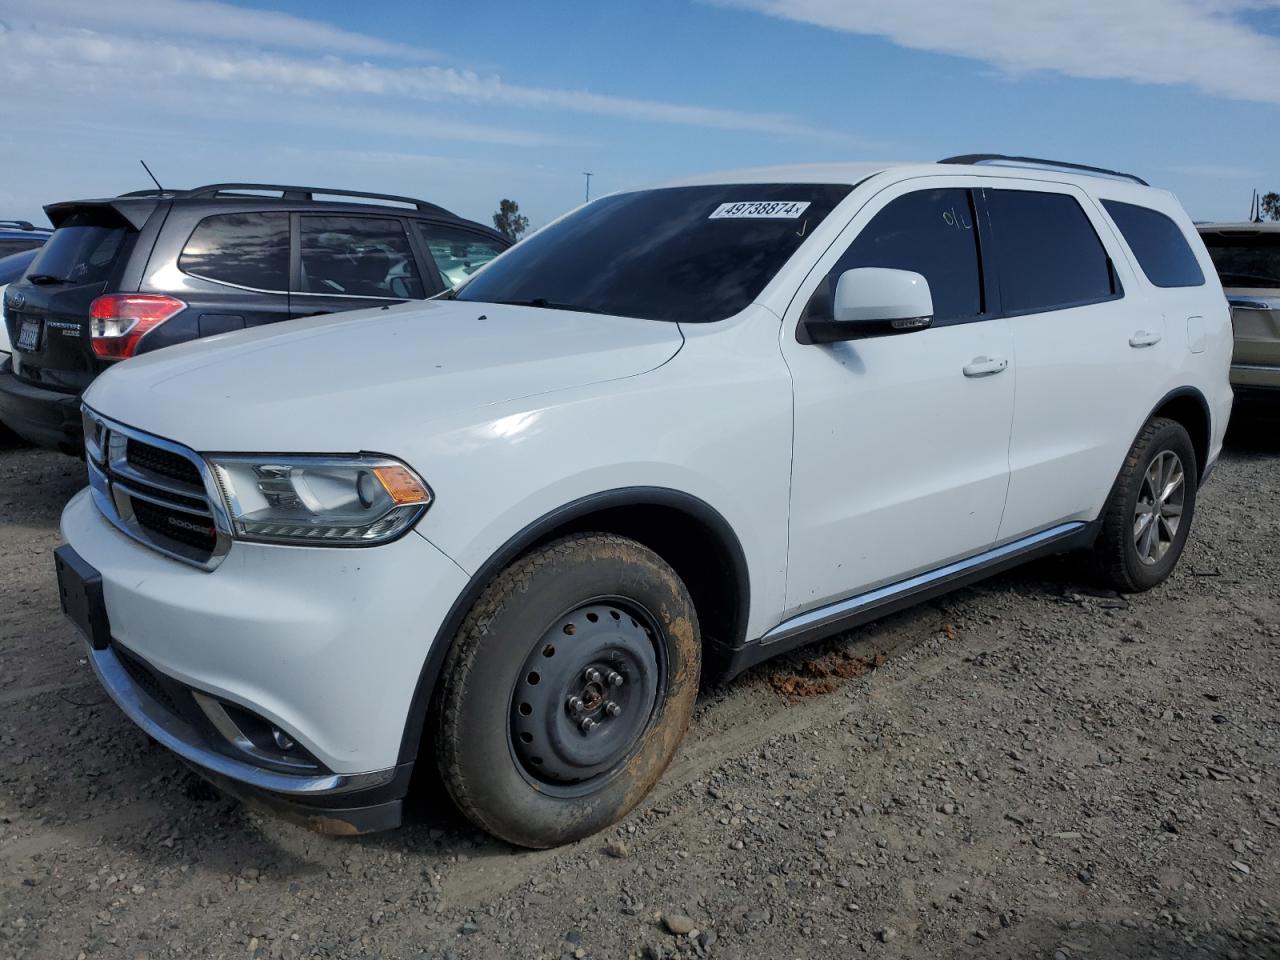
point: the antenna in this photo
(151, 175)
(588, 176)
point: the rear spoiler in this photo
(133, 211)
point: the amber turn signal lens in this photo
(401, 485)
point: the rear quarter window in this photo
(242, 249)
(1158, 243)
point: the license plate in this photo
(29, 336)
(80, 590)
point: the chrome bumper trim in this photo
(113, 481)
(177, 735)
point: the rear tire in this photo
(567, 690)
(1148, 515)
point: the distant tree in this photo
(509, 221)
(1270, 205)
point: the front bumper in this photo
(324, 643)
(327, 802)
(47, 418)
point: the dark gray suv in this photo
(131, 274)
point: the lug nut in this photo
(588, 724)
(593, 675)
(612, 709)
(614, 678)
(574, 704)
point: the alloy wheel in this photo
(1158, 512)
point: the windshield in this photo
(82, 250)
(1246, 259)
(14, 265)
(687, 254)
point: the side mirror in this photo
(875, 302)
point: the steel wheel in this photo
(586, 695)
(567, 689)
(1158, 511)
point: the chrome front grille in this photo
(158, 492)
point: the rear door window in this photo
(84, 249)
(243, 249)
(357, 257)
(930, 232)
(457, 253)
(1158, 243)
(1048, 254)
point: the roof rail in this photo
(290, 192)
(20, 225)
(974, 158)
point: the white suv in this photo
(672, 434)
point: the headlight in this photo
(329, 500)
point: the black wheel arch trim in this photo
(696, 508)
(1194, 393)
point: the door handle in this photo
(1144, 338)
(985, 366)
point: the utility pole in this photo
(588, 176)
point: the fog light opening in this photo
(282, 739)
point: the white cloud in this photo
(1205, 44)
(210, 69)
(208, 20)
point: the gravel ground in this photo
(1028, 768)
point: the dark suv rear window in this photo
(688, 254)
(1245, 258)
(1158, 244)
(244, 249)
(82, 250)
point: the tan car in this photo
(1247, 256)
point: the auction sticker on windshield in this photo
(760, 210)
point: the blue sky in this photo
(464, 104)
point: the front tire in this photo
(567, 690)
(1149, 512)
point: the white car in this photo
(672, 434)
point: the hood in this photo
(357, 381)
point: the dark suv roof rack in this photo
(973, 158)
(287, 192)
(21, 225)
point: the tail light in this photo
(119, 321)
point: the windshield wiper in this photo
(545, 304)
(44, 279)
